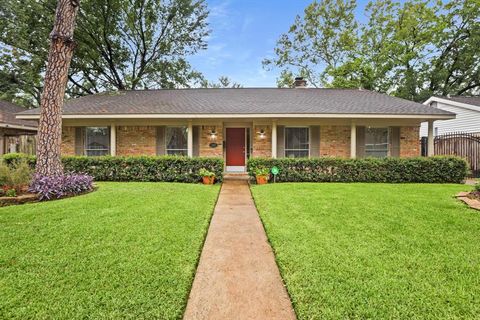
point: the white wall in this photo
(466, 121)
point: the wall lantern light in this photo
(213, 135)
(262, 133)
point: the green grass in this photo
(126, 251)
(377, 251)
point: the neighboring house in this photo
(16, 135)
(467, 110)
(240, 123)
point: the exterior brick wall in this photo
(68, 141)
(335, 141)
(262, 147)
(136, 141)
(205, 149)
(409, 142)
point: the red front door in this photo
(235, 146)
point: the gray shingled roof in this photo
(474, 101)
(8, 111)
(245, 101)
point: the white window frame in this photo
(85, 144)
(285, 140)
(166, 142)
(388, 141)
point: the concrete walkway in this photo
(237, 277)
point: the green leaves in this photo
(145, 168)
(121, 44)
(412, 49)
(390, 170)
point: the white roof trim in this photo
(452, 103)
(13, 126)
(252, 115)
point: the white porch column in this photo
(274, 139)
(190, 139)
(113, 140)
(353, 141)
(431, 145)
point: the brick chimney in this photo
(300, 83)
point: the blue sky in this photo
(244, 32)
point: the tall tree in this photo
(59, 57)
(412, 49)
(322, 39)
(121, 44)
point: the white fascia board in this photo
(452, 103)
(237, 116)
(12, 126)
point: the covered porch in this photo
(237, 139)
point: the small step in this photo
(236, 176)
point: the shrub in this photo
(15, 176)
(391, 170)
(261, 171)
(57, 187)
(13, 158)
(206, 173)
(11, 193)
(147, 168)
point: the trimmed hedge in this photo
(145, 168)
(390, 170)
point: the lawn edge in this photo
(199, 251)
(280, 269)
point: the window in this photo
(176, 141)
(296, 142)
(97, 141)
(376, 142)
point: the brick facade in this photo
(68, 141)
(205, 140)
(335, 141)
(262, 147)
(409, 142)
(136, 141)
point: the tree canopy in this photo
(412, 49)
(120, 45)
(223, 82)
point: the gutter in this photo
(247, 116)
(13, 126)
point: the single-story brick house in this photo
(240, 123)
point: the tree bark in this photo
(56, 76)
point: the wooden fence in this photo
(462, 144)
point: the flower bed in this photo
(472, 198)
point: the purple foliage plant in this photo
(57, 187)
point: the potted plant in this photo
(207, 176)
(262, 174)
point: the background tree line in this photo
(411, 49)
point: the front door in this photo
(235, 153)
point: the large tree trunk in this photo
(50, 126)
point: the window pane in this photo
(176, 141)
(296, 142)
(376, 142)
(296, 154)
(97, 141)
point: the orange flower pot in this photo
(262, 179)
(208, 180)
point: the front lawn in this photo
(378, 251)
(126, 251)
